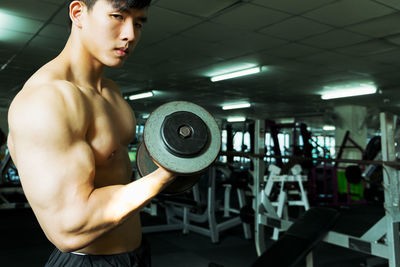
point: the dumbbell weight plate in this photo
(159, 147)
(145, 166)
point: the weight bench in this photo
(299, 240)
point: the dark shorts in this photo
(140, 257)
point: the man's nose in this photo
(128, 31)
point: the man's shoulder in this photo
(44, 97)
(44, 92)
(111, 85)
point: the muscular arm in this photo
(57, 170)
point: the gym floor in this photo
(24, 244)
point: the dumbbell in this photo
(181, 137)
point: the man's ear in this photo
(76, 10)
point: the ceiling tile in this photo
(344, 12)
(19, 24)
(179, 65)
(379, 27)
(131, 75)
(54, 1)
(56, 32)
(387, 78)
(212, 32)
(325, 58)
(148, 55)
(151, 35)
(364, 66)
(18, 62)
(295, 28)
(156, 29)
(12, 41)
(248, 43)
(334, 39)
(293, 50)
(250, 17)
(37, 10)
(13, 80)
(175, 46)
(44, 44)
(29, 61)
(188, 64)
(169, 21)
(392, 57)
(340, 78)
(294, 7)
(337, 62)
(368, 48)
(394, 39)
(223, 52)
(62, 18)
(203, 8)
(214, 50)
(178, 46)
(392, 3)
(303, 68)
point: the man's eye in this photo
(138, 25)
(117, 16)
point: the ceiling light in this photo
(347, 91)
(236, 119)
(235, 74)
(286, 120)
(140, 96)
(236, 106)
(329, 128)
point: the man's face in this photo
(111, 33)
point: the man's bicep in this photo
(51, 159)
(49, 173)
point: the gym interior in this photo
(304, 97)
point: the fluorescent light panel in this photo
(235, 74)
(140, 96)
(236, 106)
(236, 119)
(286, 120)
(348, 91)
(329, 128)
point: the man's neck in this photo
(83, 69)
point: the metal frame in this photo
(213, 228)
(381, 240)
(179, 215)
(283, 202)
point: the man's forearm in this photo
(107, 207)
(136, 195)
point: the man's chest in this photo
(112, 127)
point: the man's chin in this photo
(116, 65)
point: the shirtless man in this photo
(69, 133)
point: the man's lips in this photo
(122, 51)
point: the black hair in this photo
(119, 4)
